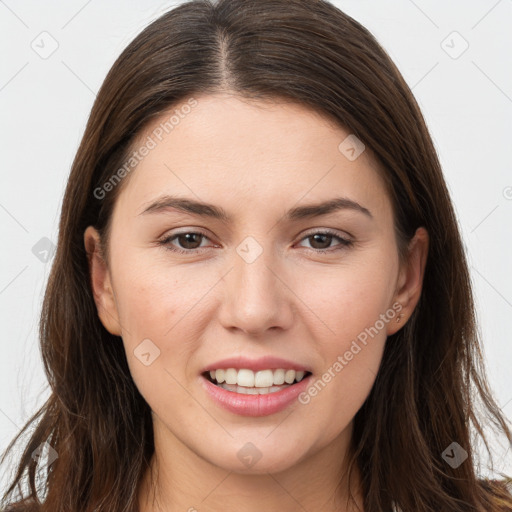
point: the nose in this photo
(255, 296)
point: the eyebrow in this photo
(209, 210)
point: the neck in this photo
(180, 480)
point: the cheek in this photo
(347, 300)
(352, 310)
(164, 305)
(156, 311)
(156, 300)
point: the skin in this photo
(256, 160)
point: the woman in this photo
(260, 297)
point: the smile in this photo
(260, 393)
(249, 382)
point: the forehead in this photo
(226, 148)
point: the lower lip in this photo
(255, 405)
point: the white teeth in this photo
(245, 378)
(289, 376)
(262, 379)
(252, 391)
(278, 377)
(230, 375)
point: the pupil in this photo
(188, 241)
(319, 235)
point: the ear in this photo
(410, 279)
(101, 282)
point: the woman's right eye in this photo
(185, 239)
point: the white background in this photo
(467, 102)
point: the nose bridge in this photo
(255, 298)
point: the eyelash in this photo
(344, 242)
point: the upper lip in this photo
(262, 363)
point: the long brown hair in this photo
(431, 390)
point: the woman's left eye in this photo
(323, 237)
(188, 241)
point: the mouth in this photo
(247, 382)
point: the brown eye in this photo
(321, 241)
(189, 240)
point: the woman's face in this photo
(251, 280)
